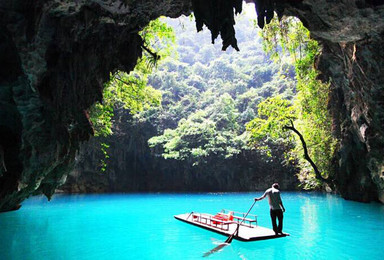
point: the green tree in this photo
(213, 93)
(274, 114)
(130, 91)
(207, 132)
(313, 121)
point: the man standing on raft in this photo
(276, 206)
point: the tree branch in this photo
(155, 56)
(124, 81)
(306, 154)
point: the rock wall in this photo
(352, 60)
(356, 103)
(55, 56)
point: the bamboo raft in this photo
(248, 230)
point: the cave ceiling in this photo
(56, 56)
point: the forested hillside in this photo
(209, 95)
(197, 139)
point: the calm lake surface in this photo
(141, 226)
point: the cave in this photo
(56, 55)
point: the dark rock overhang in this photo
(56, 55)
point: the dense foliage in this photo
(225, 106)
(309, 107)
(209, 95)
(130, 91)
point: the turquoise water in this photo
(141, 226)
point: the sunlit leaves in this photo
(212, 131)
(288, 35)
(130, 91)
(273, 114)
(159, 42)
(285, 35)
(208, 96)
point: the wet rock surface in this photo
(56, 55)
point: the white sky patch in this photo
(249, 10)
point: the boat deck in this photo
(246, 233)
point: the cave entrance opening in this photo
(208, 97)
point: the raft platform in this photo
(248, 229)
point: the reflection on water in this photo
(309, 212)
(141, 226)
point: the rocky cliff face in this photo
(351, 33)
(55, 56)
(356, 103)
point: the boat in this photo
(227, 221)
